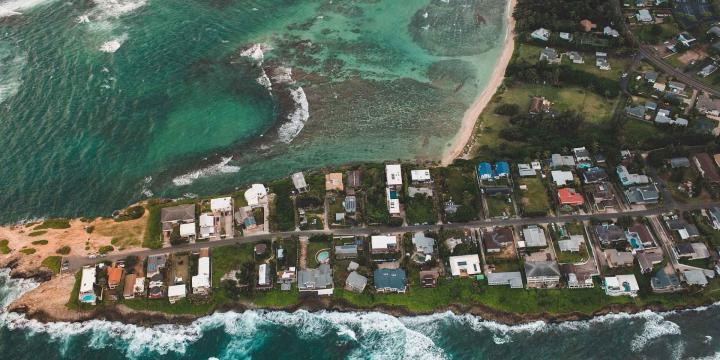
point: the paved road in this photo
(76, 262)
(649, 53)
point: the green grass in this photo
(52, 263)
(419, 210)
(182, 306)
(4, 248)
(499, 206)
(106, 249)
(28, 251)
(226, 258)
(37, 233)
(638, 132)
(153, 231)
(700, 263)
(644, 33)
(63, 250)
(312, 249)
(534, 200)
(282, 210)
(53, 224)
(40, 242)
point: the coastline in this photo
(472, 114)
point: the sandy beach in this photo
(471, 115)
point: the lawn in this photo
(52, 263)
(37, 233)
(183, 306)
(420, 210)
(316, 244)
(458, 184)
(499, 206)
(4, 248)
(226, 258)
(534, 200)
(645, 33)
(282, 210)
(123, 234)
(153, 232)
(637, 133)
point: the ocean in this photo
(106, 102)
(691, 334)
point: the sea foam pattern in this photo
(223, 167)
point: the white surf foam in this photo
(14, 7)
(256, 52)
(12, 289)
(297, 118)
(220, 168)
(114, 44)
(12, 63)
(146, 187)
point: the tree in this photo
(175, 238)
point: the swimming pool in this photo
(635, 241)
(88, 298)
(323, 256)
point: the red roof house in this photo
(569, 196)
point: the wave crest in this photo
(222, 167)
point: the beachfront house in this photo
(334, 182)
(87, 286)
(511, 278)
(299, 182)
(355, 282)
(174, 216)
(114, 276)
(223, 212)
(201, 281)
(542, 274)
(176, 293)
(129, 287)
(393, 174)
(256, 195)
(465, 265)
(621, 285)
(318, 281)
(390, 280)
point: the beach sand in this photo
(467, 127)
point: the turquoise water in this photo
(323, 256)
(106, 102)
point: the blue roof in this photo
(389, 279)
(502, 168)
(485, 169)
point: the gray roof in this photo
(534, 236)
(356, 280)
(643, 194)
(346, 249)
(651, 75)
(609, 233)
(350, 204)
(637, 111)
(677, 162)
(422, 243)
(573, 244)
(512, 278)
(320, 278)
(393, 279)
(178, 213)
(695, 277)
(662, 280)
(541, 269)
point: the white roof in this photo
(394, 174)
(561, 178)
(262, 274)
(176, 291)
(298, 180)
(187, 229)
(394, 206)
(255, 194)
(420, 175)
(221, 204)
(88, 279)
(204, 266)
(139, 284)
(382, 241)
(536, 165)
(200, 281)
(469, 263)
(526, 170)
(534, 236)
(630, 280)
(207, 220)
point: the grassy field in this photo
(420, 210)
(122, 234)
(531, 54)
(229, 257)
(534, 200)
(312, 249)
(4, 248)
(645, 33)
(499, 206)
(52, 263)
(53, 224)
(637, 132)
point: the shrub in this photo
(37, 233)
(106, 249)
(28, 251)
(52, 263)
(508, 109)
(63, 250)
(40, 242)
(89, 229)
(4, 248)
(131, 213)
(54, 224)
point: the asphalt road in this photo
(650, 54)
(76, 262)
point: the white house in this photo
(187, 230)
(644, 16)
(256, 195)
(383, 243)
(393, 172)
(621, 285)
(299, 182)
(420, 176)
(223, 204)
(541, 34)
(465, 265)
(87, 284)
(176, 292)
(201, 281)
(561, 178)
(393, 202)
(207, 226)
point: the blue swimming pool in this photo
(323, 256)
(635, 242)
(88, 298)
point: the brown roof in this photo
(334, 181)
(178, 213)
(353, 178)
(129, 288)
(587, 25)
(707, 167)
(643, 232)
(114, 274)
(497, 237)
(204, 252)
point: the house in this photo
(423, 244)
(659, 87)
(679, 162)
(618, 258)
(572, 244)
(692, 251)
(393, 202)
(176, 293)
(526, 171)
(383, 244)
(355, 282)
(587, 25)
(176, 216)
(644, 15)
(299, 182)
(201, 282)
(568, 196)
(608, 31)
(645, 194)
(420, 176)
(575, 57)
(256, 195)
(595, 175)
(550, 55)
(582, 154)
(465, 265)
(562, 178)
(155, 286)
(706, 167)
(676, 87)
(484, 171)
(534, 237)
(707, 70)
(686, 39)
(557, 160)
(114, 275)
(343, 252)
(662, 282)
(428, 278)
(566, 36)
(714, 31)
(609, 234)
(393, 173)
(350, 204)
(707, 105)
(207, 226)
(511, 278)
(334, 182)
(354, 179)
(602, 196)
(502, 170)
(155, 263)
(577, 280)
(541, 34)
(637, 111)
(318, 280)
(390, 280)
(695, 277)
(221, 205)
(621, 285)
(497, 239)
(642, 235)
(187, 231)
(647, 259)
(87, 286)
(264, 279)
(129, 287)
(539, 104)
(542, 274)
(651, 76)
(601, 61)
(628, 179)
(714, 213)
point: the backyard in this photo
(534, 200)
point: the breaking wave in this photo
(297, 118)
(114, 44)
(14, 7)
(222, 167)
